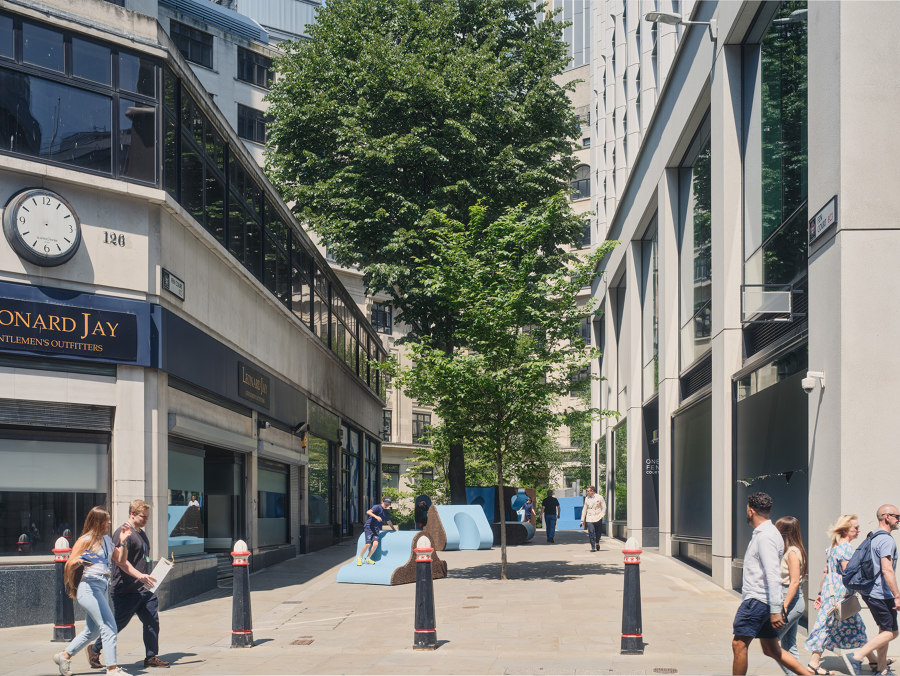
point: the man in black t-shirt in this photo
(129, 593)
(550, 507)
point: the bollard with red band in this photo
(425, 634)
(632, 639)
(241, 621)
(64, 624)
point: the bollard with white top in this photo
(64, 622)
(241, 620)
(632, 638)
(425, 634)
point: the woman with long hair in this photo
(830, 633)
(793, 572)
(92, 552)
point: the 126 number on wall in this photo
(113, 239)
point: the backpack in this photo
(860, 573)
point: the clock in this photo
(41, 226)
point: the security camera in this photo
(812, 379)
(808, 384)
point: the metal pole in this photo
(241, 620)
(632, 639)
(425, 635)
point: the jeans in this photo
(787, 635)
(550, 525)
(146, 606)
(593, 528)
(91, 596)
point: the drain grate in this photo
(470, 606)
(474, 597)
(665, 670)
(303, 640)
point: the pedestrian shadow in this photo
(542, 571)
(178, 659)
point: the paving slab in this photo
(559, 613)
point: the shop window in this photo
(420, 424)
(273, 503)
(319, 493)
(371, 472)
(47, 487)
(186, 499)
(254, 68)
(194, 45)
(692, 472)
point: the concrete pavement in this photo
(559, 613)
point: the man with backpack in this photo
(880, 592)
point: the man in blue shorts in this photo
(884, 597)
(372, 529)
(761, 613)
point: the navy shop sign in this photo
(62, 329)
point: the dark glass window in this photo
(420, 424)
(581, 185)
(215, 205)
(194, 45)
(137, 74)
(251, 124)
(585, 240)
(91, 61)
(301, 283)
(382, 319)
(6, 37)
(137, 131)
(277, 272)
(254, 68)
(43, 47)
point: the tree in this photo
(397, 108)
(515, 302)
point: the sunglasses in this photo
(896, 516)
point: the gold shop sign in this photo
(253, 385)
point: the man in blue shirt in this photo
(372, 530)
(884, 598)
(761, 613)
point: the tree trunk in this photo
(503, 575)
(456, 474)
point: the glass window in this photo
(194, 45)
(191, 180)
(277, 273)
(650, 314)
(390, 476)
(692, 471)
(319, 481)
(273, 503)
(581, 185)
(382, 318)
(371, 472)
(696, 257)
(55, 122)
(386, 424)
(301, 284)
(47, 488)
(620, 473)
(420, 424)
(91, 61)
(6, 37)
(251, 124)
(186, 499)
(137, 74)
(585, 240)
(215, 205)
(43, 47)
(137, 140)
(254, 68)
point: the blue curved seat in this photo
(465, 526)
(393, 552)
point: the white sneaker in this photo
(117, 670)
(65, 666)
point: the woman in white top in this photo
(793, 572)
(95, 551)
(592, 513)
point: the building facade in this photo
(749, 319)
(168, 331)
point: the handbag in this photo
(847, 607)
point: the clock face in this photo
(42, 227)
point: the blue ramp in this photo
(465, 527)
(570, 513)
(394, 561)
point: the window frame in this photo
(180, 31)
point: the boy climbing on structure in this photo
(372, 528)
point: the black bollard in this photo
(241, 621)
(424, 636)
(64, 624)
(632, 639)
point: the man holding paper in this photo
(129, 586)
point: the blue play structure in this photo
(517, 502)
(393, 551)
(570, 513)
(465, 527)
(484, 497)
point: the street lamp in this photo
(674, 19)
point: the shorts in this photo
(371, 536)
(882, 612)
(753, 619)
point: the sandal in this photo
(874, 665)
(821, 671)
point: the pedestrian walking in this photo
(793, 574)
(829, 632)
(592, 512)
(883, 598)
(372, 530)
(92, 556)
(130, 582)
(551, 512)
(761, 613)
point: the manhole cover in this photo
(303, 640)
(665, 670)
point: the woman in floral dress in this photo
(829, 633)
